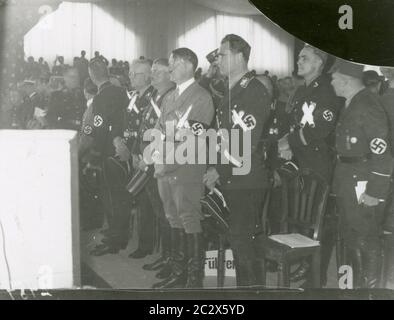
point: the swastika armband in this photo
(197, 127)
(87, 130)
(328, 115)
(98, 121)
(246, 121)
(378, 146)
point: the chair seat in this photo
(294, 240)
(291, 246)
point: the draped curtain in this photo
(126, 30)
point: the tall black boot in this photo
(164, 259)
(247, 272)
(195, 266)
(372, 267)
(389, 269)
(328, 241)
(166, 268)
(178, 260)
(356, 261)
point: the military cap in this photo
(371, 77)
(351, 69)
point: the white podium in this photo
(39, 210)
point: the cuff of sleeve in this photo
(378, 189)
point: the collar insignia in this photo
(245, 81)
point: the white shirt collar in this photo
(183, 86)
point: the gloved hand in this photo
(368, 200)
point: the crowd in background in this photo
(43, 83)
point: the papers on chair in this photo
(360, 189)
(294, 240)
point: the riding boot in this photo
(389, 270)
(357, 265)
(247, 273)
(195, 271)
(164, 259)
(328, 241)
(372, 267)
(166, 269)
(178, 259)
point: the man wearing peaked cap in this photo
(387, 100)
(351, 69)
(363, 171)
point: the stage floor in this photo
(118, 271)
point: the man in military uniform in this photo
(91, 177)
(109, 106)
(277, 126)
(387, 100)
(313, 115)
(212, 80)
(163, 86)
(363, 171)
(314, 110)
(245, 108)
(188, 107)
(66, 106)
(140, 98)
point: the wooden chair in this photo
(303, 205)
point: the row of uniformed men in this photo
(361, 145)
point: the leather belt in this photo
(343, 159)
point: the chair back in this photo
(304, 200)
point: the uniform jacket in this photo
(250, 101)
(66, 109)
(387, 101)
(108, 108)
(277, 126)
(149, 117)
(173, 108)
(138, 105)
(314, 113)
(362, 133)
